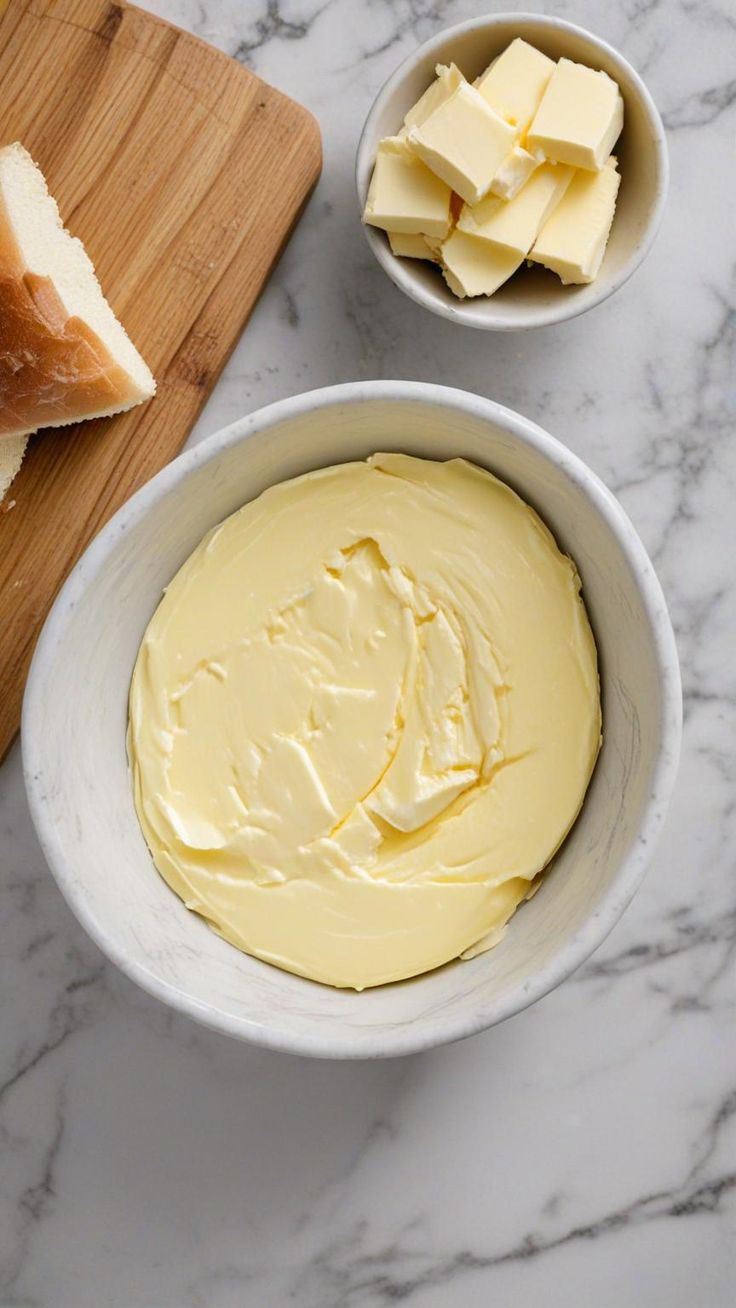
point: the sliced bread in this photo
(63, 354)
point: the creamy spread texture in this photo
(363, 718)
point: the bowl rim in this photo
(392, 1040)
(403, 276)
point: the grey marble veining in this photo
(585, 1152)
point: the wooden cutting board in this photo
(183, 173)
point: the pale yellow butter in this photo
(411, 246)
(464, 142)
(447, 80)
(364, 717)
(514, 172)
(404, 196)
(580, 117)
(573, 240)
(434, 245)
(472, 266)
(398, 144)
(503, 148)
(515, 224)
(514, 83)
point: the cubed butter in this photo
(515, 224)
(573, 240)
(447, 80)
(580, 117)
(408, 246)
(514, 83)
(472, 266)
(434, 245)
(464, 142)
(514, 172)
(405, 196)
(398, 144)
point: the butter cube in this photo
(464, 142)
(515, 224)
(573, 240)
(404, 196)
(398, 144)
(472, 266)
(434, 245)
(580, 117)
(514, 172)
(409, 246)
(514, 83)
(447, 80)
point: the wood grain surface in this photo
(183, 174)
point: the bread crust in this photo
(54, 369)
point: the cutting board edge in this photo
(288, 111)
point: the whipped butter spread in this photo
(363, 718)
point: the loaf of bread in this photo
(63, 354)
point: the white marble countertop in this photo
(585, 1152)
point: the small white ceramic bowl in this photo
(534, 297)
(75, 711)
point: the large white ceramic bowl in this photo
(74, 722)
(534, 298)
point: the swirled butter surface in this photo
(363, 718)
